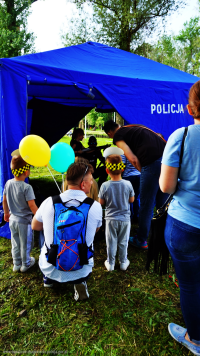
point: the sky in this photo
(49, 20)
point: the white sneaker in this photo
(124, 266)
(24, 268)
(108, 266)
(16, 268)
(81, 291)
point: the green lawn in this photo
(127, 312)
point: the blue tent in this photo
(48, 93)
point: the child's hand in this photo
(6, 217)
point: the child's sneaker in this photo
(124, 266)
(24, 268)
(16, 268)
(81, 291)
(108, 266)
(136, 243)
(47, 282)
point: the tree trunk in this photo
(119, 119)
(81, 124)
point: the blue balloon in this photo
(62, 155)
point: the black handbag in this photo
(157, 248)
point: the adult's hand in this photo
(129, 154)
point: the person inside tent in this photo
(75, 142)
(94, 155)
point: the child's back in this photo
(19, 205)
(18, 193)
(116, 195)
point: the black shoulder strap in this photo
(88, 201)
(56, 199)
(182, 147)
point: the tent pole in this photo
(85, 127)
(26, 105)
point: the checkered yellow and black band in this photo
(17, 172)
(114, 166)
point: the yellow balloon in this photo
(35, 150)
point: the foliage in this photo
(165, 51)
(97, 119)
(14, 38)
(100, 122)
(189, 39)
(120, 23)
(181, 52)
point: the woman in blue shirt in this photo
(182, 231)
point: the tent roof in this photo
(94, 58)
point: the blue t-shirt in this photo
(185, 205)
(129, 170)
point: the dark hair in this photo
(194, 99)
(114, 159)
(81, 160)
(76, 171)
(92, 140)
(77, 131)
(110, 125)
(17, 162)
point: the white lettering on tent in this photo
(159, 109)
(153, 108)
(164, 112)
(167, 108)
(172, 106)
(181, 108)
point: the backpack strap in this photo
(88, 201)
(56, 199)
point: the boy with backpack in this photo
(70, 222)
(19, 206)
(116, 194)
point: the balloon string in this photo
(54, 179)
(62, 182)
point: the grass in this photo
(127, 312)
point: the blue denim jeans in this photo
(135, 181)
(183, 242)
(150, 194)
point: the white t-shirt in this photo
(45, 214)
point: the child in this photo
(116, 194)
(18, 206)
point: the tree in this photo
(189, 38)
(97, 119)
(100, 122)
(181, 52)
(14, 39)
(123, 23)
(165, 51)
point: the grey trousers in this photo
(22, 243)
(117, 235)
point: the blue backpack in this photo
(69, 251)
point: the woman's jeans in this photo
(150, 194)
(135, 181)
(183, 242)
